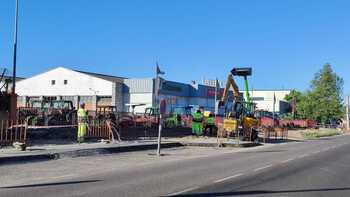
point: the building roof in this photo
(103, 76)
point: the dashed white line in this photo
(63, 176)
(227, 178)
(258, 169)
(288, 160)
(304, 155)
(183, 191)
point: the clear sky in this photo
(285, 42)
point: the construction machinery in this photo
(48, 113)
(239, 116)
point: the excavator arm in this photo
(230, 85)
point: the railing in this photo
(270, 133)
(12, 131)
(99, 129)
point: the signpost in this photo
(162, 109)
(162, 106)
(347, 113)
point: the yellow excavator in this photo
(239, 114)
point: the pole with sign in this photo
(161, 106)
(347, 113)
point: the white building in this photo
(265, 100)
(97, 89)
(78, 86)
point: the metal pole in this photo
(159, 134)
(347, 113)
(160, 115)
(15, 50)
(273, 113)
(216, 97)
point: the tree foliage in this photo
(323, 101)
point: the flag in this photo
(274, 98)
(159, 72)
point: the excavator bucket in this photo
(241, 72)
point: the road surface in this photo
(311, 168)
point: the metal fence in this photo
(12, 131)
(99, 129)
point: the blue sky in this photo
(285, 42)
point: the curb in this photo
(20, 159)
(231, 145)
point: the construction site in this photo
(47, 113)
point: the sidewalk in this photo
(48, 152)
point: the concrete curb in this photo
(83, 152)
(231, 145)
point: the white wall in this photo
(140, 98)
(78, 84)
(267, 102)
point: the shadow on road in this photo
(261, 192)
(280, 141)
(50, 184)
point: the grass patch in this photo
(321, 133)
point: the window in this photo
(53, 82)
(65, 82)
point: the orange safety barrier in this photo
(12, 131)
(98, 130)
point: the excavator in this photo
(239, 116)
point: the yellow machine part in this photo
(230, 124)
(250, 122)
(206, 114)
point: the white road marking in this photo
(183, 191)
(258, 169)
(304, 155)
(60, 177)
(227, 178)
(288, 160)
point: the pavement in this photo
(308, 168)
(55, 151)
(51, 151)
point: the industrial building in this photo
(128, 94)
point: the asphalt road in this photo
(312, 168)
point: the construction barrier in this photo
(270, 133)
(99, 129)
(12, 131)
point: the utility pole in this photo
(347, 113)
(15, 51)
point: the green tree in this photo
(325, 97)
(301, 100)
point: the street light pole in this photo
(15, 51)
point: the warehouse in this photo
(78, 86)
(129, 94)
